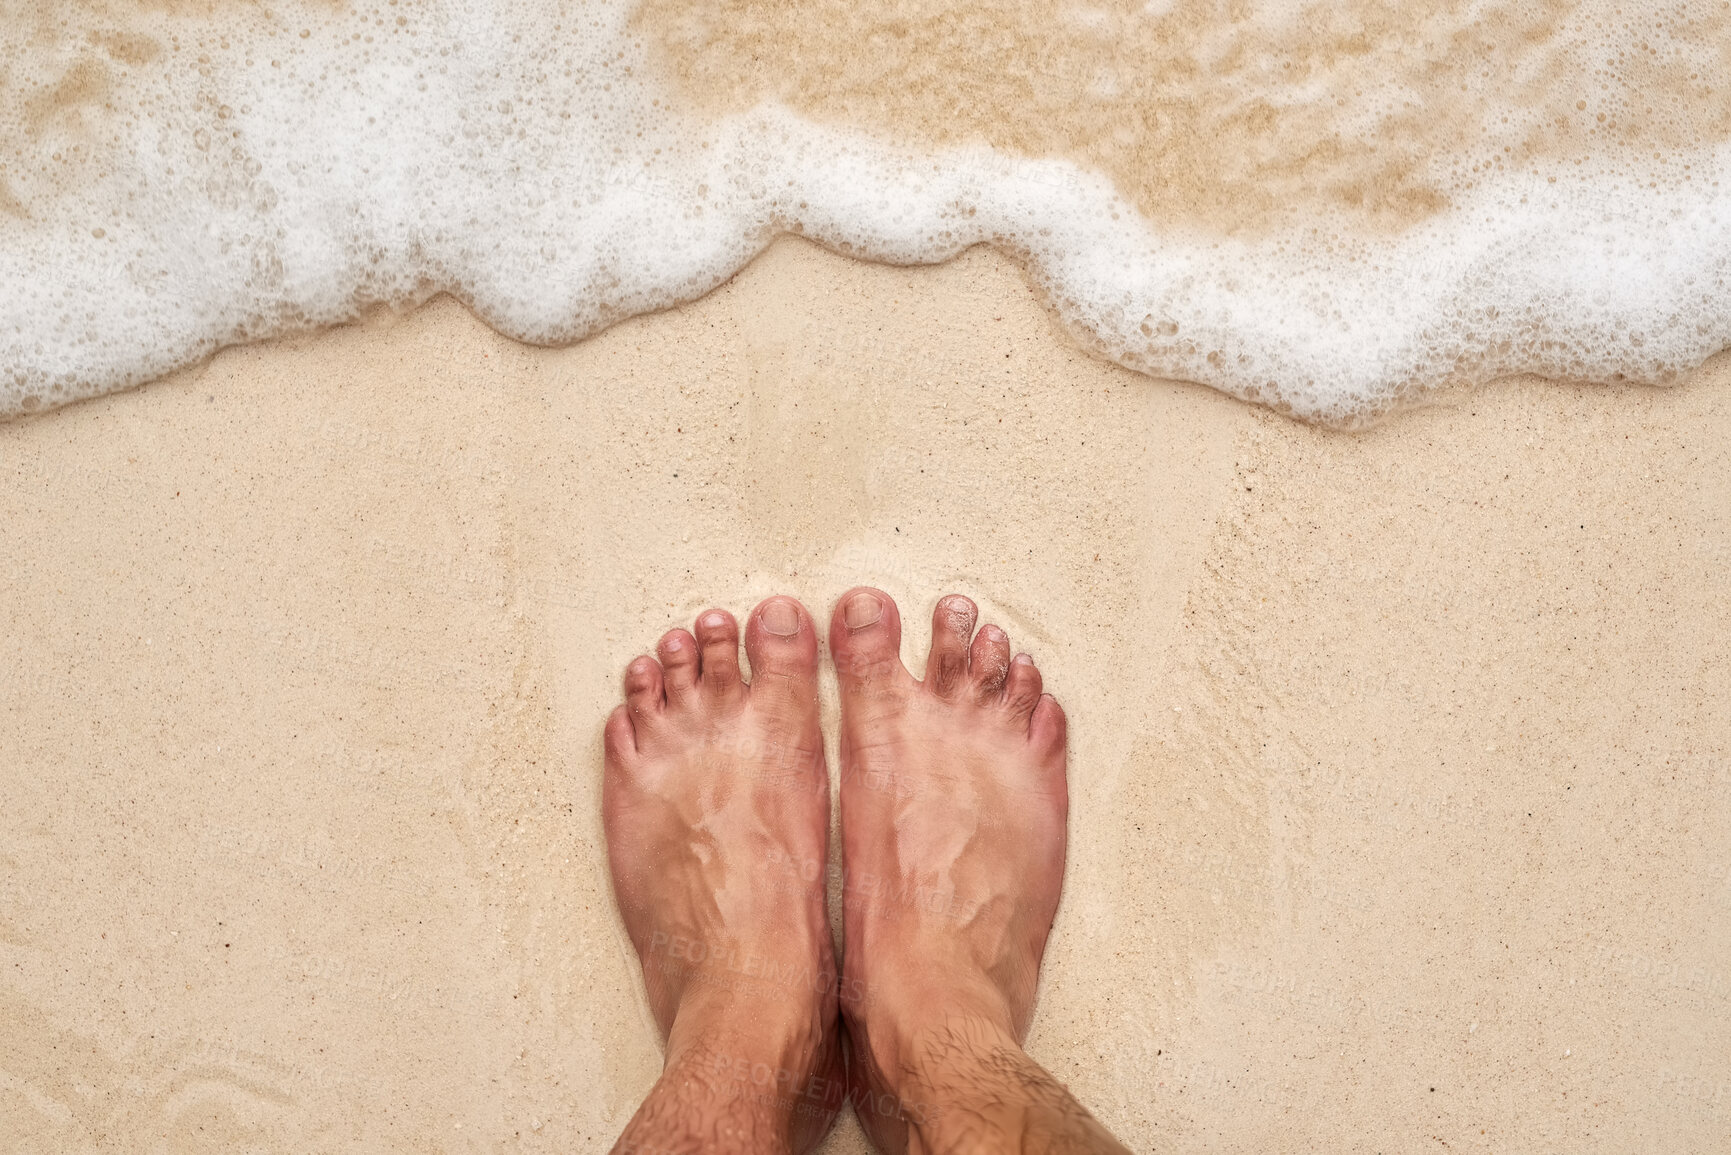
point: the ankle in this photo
(760, 1076)
(789, 1038)
(914, 1088)
(965, 1084)
(894, 1026)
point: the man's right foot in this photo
(953, 801)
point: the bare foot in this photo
(953, 804)
(714, 797)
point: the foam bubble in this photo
(177, 182)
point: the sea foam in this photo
(173, 182)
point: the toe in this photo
(619, 739)
(1022, 687)
(678, 653)
(643, 689)
(1048, 727)
(952, 628)
(990, 662)
(718, 639)
(622, 768)
(865, 639)
(781, 641)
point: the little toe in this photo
(990, 662)
(952, 628)
(718, 640)
(865, 640)
(621, 769)
(781, 641)
(678, 653)
(619, 739)
(1022, 687)
(643, 689)
(1048, 728)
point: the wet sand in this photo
(1401, 760)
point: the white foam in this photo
(284, 182)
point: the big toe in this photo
(781, 641)
(865, 639)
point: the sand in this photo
(1400, 765)
(1235, 118)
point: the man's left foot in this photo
(715, 803)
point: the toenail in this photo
(780, 619)
(862, 610)
(713, 620)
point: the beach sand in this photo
(1400, 760)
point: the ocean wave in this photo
(183, 180)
